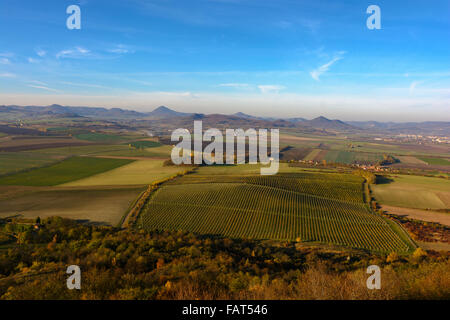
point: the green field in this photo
(99, 205)
(348, 157)
(323, 208)
(414, 192)
(68, 170)
(340, 156)
(98, 137)
(142, 144)
(312, 155)
(83, 150)
(162, 151)
(436, 161)
(137, 172)
(253, 169)
(11, 162)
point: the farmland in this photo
(97, 205)
(332, 156)
(414, 192)
(16, 161)
(141, 144)
(346, 157)
(410, 160)
(14, 144)
(310, 207)
(162, 151)
(350, 149)
(436, 161)
(68, 170)
(134, 173)
(98, 137)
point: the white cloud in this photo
(63, 53)
(7, 75)
(234, 85)
(87, 85)
(76, 52)
(118, 50)
(43, 88)
(186, 94)
(4, 61)
(413, 86)
(41, 53)
(82, 50)
(270, 88)
(315, 74)
(32, 60)
(37, 82)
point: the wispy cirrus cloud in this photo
(5, 61)
(413, 86)
(7, 75)
(43, 88)
(86, 85)
(121, 49)
(77, 52)
(36, 82)
(41, 53)
(234, 85)
(315, 74)
(270, 88)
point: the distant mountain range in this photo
(14, 113)
(427, 127)
(164, 112)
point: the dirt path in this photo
(438, 246)
(424, 215)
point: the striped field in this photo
(323, 208)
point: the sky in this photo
(283, 58)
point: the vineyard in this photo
(316, 207)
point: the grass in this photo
(11, 162)
(348, 157)
(410, 160)
(135, 173)
(99, 205)
(83, 150)
(312, 154)
(68, 170)
(322, 208)
(162, 151)
(436, 161)
(156, 152)
(98, 137)
(144, 144)
(251, 169)
(242, 169)
(413, 192)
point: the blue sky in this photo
(273, 58)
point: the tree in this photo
(419, 254)
(392, 257)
